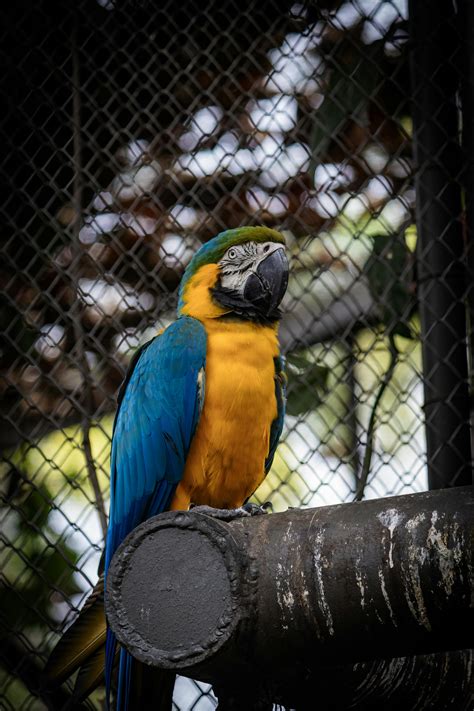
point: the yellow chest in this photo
(227, 456)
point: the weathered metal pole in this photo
(466, 12)
(440, 249)
(276, 599)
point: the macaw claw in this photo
(228, 515)
(256, 510)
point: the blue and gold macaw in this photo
(199, 418)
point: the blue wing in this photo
(159, 408)
(277, 424)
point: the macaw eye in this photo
(232, 253)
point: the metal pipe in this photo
(466, 9)
(434, 681)
(276, 599)
(440, 247)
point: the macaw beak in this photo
(266, 286)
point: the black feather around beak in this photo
(266, 287)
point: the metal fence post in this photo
(441, 265)
(467, 98)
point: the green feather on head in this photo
(211, 252)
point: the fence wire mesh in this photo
(135, 132)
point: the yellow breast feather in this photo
(226, 461)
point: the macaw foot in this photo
(256, 510)
(231, 514)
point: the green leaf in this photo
(390, 274)
(352, 82)
(57, 566)
(307, 384)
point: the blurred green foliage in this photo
(390, 270)
(307, 383)
(40, 562)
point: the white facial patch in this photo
(242, 260)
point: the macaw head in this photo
(242, 273)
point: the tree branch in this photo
(371, 428)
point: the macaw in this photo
(199, 417)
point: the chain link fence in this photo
(135, 132)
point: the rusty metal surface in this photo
(433, 682)
(338, 585)
(157, 594)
